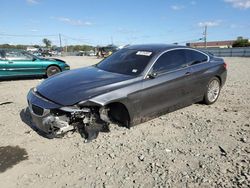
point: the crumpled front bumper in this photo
(39, 122)
(40, 108)
(53, 120)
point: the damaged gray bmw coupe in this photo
(131, 86)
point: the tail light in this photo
(225, 65)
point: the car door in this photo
(199, 78)
(22, 63)
(2, 64)
(2, 67)
(165, 87)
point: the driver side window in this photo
(170, 61)
(17, 55)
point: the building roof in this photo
(214, 43)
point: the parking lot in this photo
(198, 146)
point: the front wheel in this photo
(213, 91)
(52, 70)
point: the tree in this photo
(77, 48)
(47, 42)
(241, 42)
(19, 46)
(36, 46)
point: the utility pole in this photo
(112, 42)
(205, 36)
(66, 46)
(60, 39)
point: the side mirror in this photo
(152, 75)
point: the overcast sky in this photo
(122, 21)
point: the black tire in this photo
(51, 70)
(212, 94)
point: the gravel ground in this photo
(198, 146)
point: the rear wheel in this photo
(51, 70)
(213, 91)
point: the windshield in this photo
(31, 55)
(126, 61)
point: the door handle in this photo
(10, 62)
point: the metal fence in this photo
(229, 52)
(220, 52)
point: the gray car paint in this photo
(143, 96)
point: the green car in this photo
(17, 63)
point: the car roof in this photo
(155, 47)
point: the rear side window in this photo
(170, 61)
(195, 57)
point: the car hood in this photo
(56, 59)
(52, 60)
(71, 87)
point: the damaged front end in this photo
(54, 120)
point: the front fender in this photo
(129, 96)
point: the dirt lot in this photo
(198, 146)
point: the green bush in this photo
(241, 42)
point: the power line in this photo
(12, 35)
(77, 39)
(61, 36)
(64, 38)
(189, 41)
